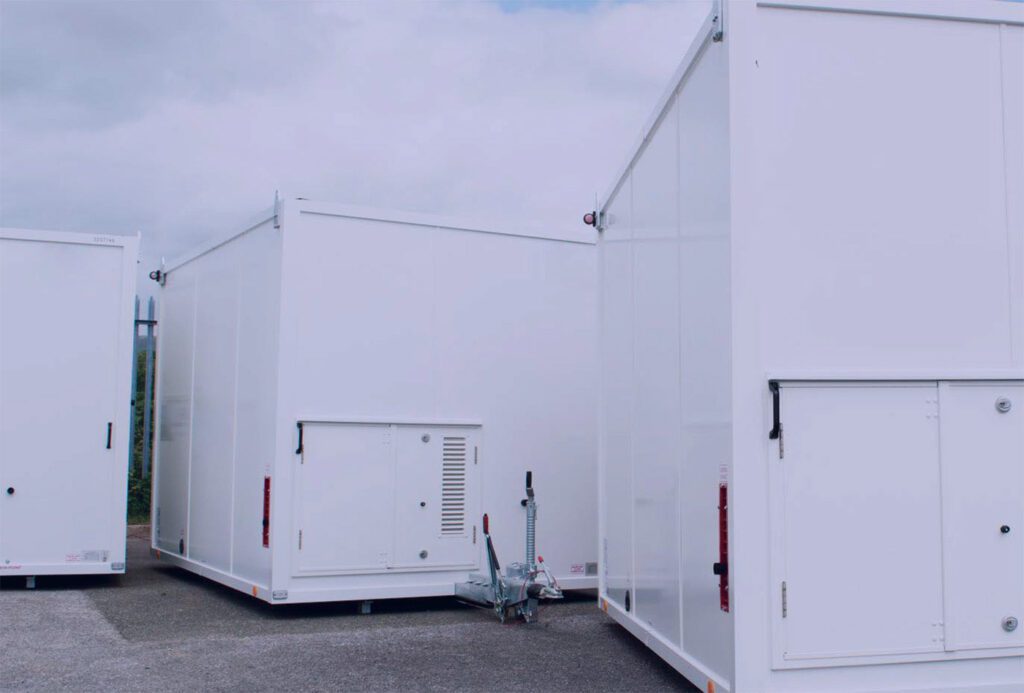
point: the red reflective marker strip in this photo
(266, 512)
(723, 545)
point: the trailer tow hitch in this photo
(517, 593)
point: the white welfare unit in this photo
(812, 428)
(65, 400)
(342, 393)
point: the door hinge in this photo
(277, 210)
(785, 600)
(476, 454)
(474, 534)
(300, 540)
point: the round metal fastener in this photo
(1010, 624)
(423, 554)
(1005, 529)
(1003, 405)
(425, 438)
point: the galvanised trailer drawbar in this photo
(812, 428)
(344, 392)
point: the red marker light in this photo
(266, 512)
(590, 218)
(487, 524)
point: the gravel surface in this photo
(159, 627)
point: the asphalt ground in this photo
(162, 628)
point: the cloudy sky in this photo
(180, 119)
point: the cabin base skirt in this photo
(63, 569)
(438, 585)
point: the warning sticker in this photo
(577, 568)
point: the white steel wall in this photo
(216, 392)
(65, 391)
(854, 176)
(328, 314)
(878, 232)
(666, 417)
(392, 321)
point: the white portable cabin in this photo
(812, 427)
(343, 392)
(66, 330)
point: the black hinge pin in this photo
(298, 450)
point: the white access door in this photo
(982, 426)
(60, 323)
(384, 497)
(857, 553)
(434, 508)
(344, 516)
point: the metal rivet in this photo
(1005, 529)
(1003, 405)
(1009, 624)
(423, 504)
(423, 554)
(425, 438)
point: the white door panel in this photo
(434, 507)
(983, 514)
(860, 522)
(60, 313)
(379, 497)
(345, 496)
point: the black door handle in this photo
(110, 431)
(773, 387)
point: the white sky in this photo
(180, 119)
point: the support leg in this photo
(364, 606)
(30, 582)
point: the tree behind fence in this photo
(141, 453)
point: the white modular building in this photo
(812, 315)
(343, 393)
(66, 330)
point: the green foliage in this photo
(138, 497)
(139, 487)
